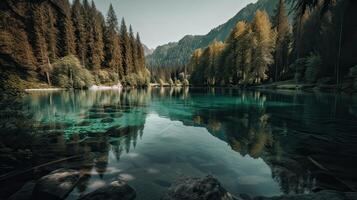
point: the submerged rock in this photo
(56, 185)
(117, 190)
(207, 188)
(107, 120)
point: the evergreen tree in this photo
(51, 33)
(238, 58)
(41, 48)
(97, 48)
(281, 24)
(262, 47)
(113, 57)
(126, 48)
(66, 29)
(140, 53)
(80, 32)
(134, 51)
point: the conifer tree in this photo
(140, 53)
(80, 33)
(67, 38)
(262, 46)
(126, 48)
(51, 33)
(41, 48)
(97, 47)
(134, 51)
(113, 57)
(281, 24)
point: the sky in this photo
(163, 21)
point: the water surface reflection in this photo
(278, 142)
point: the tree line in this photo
(38, 41)
(317, 48)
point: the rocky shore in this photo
(58, 184)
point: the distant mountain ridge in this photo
(177, 54)
(147, 50)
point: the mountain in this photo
(147, 50)
(177, 54)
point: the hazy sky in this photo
(163, 21)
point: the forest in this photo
(319, 47)
(59, 44)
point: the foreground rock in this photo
(56, 185)
(207, 188)
(117, 190)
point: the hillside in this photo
(178, 53)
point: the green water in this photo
(254, 142)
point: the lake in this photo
(254, 142)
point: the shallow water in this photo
(254, 142)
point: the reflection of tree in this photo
(247, 129)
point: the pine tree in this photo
(41, 48)
(113, 57)
(262, 46)
(80, 33)
(67, 31)
(140, 52)
(51, 33)
(240, 40)
(126, 48)
(97, 48)
(281, 24)
(134, 51)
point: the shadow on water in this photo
(307, 140)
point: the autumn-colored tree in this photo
(262, 46)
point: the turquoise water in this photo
(254, 142)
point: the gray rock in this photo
(56, 185)
(117, 190)
(25, 193)
(207, 188)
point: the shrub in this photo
(313, 64)
(68, 73)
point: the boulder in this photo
(207, 188)
(117, 190)
(56, 185)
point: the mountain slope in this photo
(177, 54)
(147, 50)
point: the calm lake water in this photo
(254, 142)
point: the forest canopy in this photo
(34, 35)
